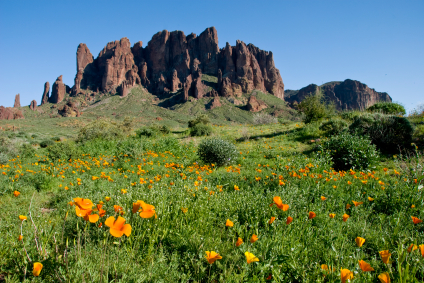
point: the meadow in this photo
(139, 209)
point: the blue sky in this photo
(380, 43)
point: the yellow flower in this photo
(250, 257)
(332, 215)
(323, 198)
(236, 188)
(184, 209)
(359, 241)
(107, 198)
(22, 217)
(412, 248)
(346, 274)
(229, 223)
(37, 268)
(212, 256)
(123, 191)
(370, 199)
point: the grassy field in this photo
(278, 213)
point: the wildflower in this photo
(281, 183)
(370, 199)
(323, 198)
(324, 267)
(421, 250)
(184, 209)
(357, 203)
(22, 217)
(348, 206)
(413, 206)
(148, 210)
(123, 191)
(250, 257)
(345, 217)
(279, 203)
(37, 268)
(365, 266)
(254, 238)
(385, 169)
(384, 277)
(239, 242)
(332, 215)
(94, 178)
(349, 182)
(16, 193)
(20, 238)
(359, 241)
(334, 187)
(412, 248)
(107, 198)
(229, 223)
(236, 188)
(385, 256)
(117, 208)
(416, 220)
(271, 220)
(118, 226)
(82, 206)
(71, 203)
(289, 220)
(212, 256)
(346, 274)
(312, 215)
(136, 206)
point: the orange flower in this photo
(349, 182)
(332, 215)
(20, 238)
(346, 274)
(236, 188)
(279, 203)
(93, 218)
(254, 238)
(365, 266)
(37, 268)
(348, 206)
(421, 250)
(412, 248)
(323, 198)
(384, 277)
(345, 217)
(83, 207)
(123, 191)
(370, 199)
(94, 178)
(22, 217)
(117, 208)
(16, 193)
(357, 203)
(229, 223)
(239, 242)
(271, 220)
(250, 257)
(148, 210)
(212, 256)
(385, 256)
(136, 206)
(289, 220)
(184, 209)
(107, 198)
(359, 241)
(416, 220)
(312, 215)
(118, 226)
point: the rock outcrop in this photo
(59, 89)
(9, 113)
(346, 95)
(172, 61)
(255, 105)
(70, 109)
(17, 103)
(45, 97)
(214, 103)
(33, 105)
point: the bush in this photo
(4, 158)
(334, 126)
(170, 144)
(387, 108)
(201, 130)
(350, 115)
(46, 143)
(310, 131)
(347, 151)
(152, 131)
(387, 132)
(200, 119)
(264, 118)
(217, 151)
(64, 151)
(315, 108)
(26, 150)
(100, 129)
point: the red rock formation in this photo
(17, 103)
(175, 81)
(58, 91)
(9, 113)
(215, 103)
(33, 105)
(84, 58)
(124, 89)
(45, 97)
(187, 87)
(255, 105)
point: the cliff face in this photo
(346, 95)
(173, 61)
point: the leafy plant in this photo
(200, 119)
(264, 118)
(334, 126)
(46, 143)
(63, 150)
(100, 129)
(217, 151)
(201, 129)
(315, 107)
(387, 108)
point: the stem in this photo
(35, 227)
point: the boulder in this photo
(17, 103)
(255, 105)
(58, 91)
(45, 97)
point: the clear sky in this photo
(380, 43)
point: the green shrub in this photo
(170, 144)
(26, 150)
(56, 139)
(46, 143)
(63, 151)
(100, 129)
(152, 131)
(4, 158)
(314, 107)
(264, 118)
(334, 126)
(201, 130)
(34, 136)
(348, 151)
(387, 132)
(217, 151)
(387, 108)
(350, 115)
(310, 131)
(200, 119)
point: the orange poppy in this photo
(236, 188)
(37, 268)
(136, 206)
(117, 208)
(357, 203)
(118, 226)
(184, 209)
(279, 203)
(83, 207)
(107, 198)
(22, 217)
(412, 248)
(212, 256)
(384, 277)
(239, 242)
(359, 241)
(385, 256)
(312, 215)
(421, 250)
(370, 199)
(229, 223)
(348, 206)
(20, 238)
(346, 274)
(289, 220)
(365, 266)
(323, 198)
(254, 238)
(345, 217)
(332, 215)
(271, 220)
(148, 210)
(250, 257)
(16, 193)
(93, 218)
(416, 220)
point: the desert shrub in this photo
(152, 131)
(26, 150)
(264, 118)
(56, 139)
(4, 158)
(7, 148)
(310, 131)
(217, 151)
(334, 126)
(64, 151)
(200, 119)
(387, 108)
(100, 129)
(170, 144)
(350, 115)
(347, 151)
(388, 132)
(46, 143)
(22, 134)
(34, 136)
(98, 147)
(314, 107)
(201, 129)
